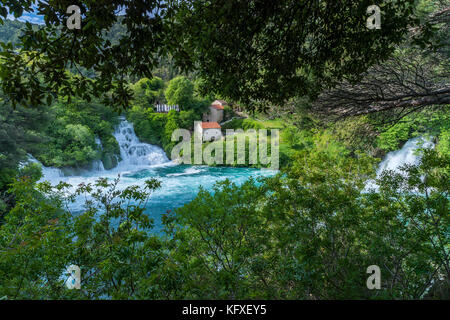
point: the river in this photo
(141, 161)
(180, 183)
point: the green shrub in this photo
(32, 171)
(171, 125)
(428, 122)
(180, 91)
(148, 91)
(186, 119)
(71, 131)
(391, 139)
(444, 143)
(148, 125)
(228, 113)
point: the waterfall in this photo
(406, 155)
(394, 160)
(140, 162)
(135, 156)
(135, 153)
(98, 142)
(97, 165)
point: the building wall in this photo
(215, 115)
(209, 134)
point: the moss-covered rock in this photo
(110, 161)
(110, 154)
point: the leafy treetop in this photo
(244, 49)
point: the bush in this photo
(157, 128)
(71, 131)
(392, 139)
(72, 145)
(149, 126)
(171, 125)
(186, 119)
(444, 143)
(428, 122)
(32, 171)
(228, 113)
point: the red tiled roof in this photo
(217, 106)
(211, 125)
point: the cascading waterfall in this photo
(394, 160)
(406, 155)
(135, 153)
(140, 162)
(97, 165)
(48, 173)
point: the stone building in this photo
(216, 110)
(210, 131)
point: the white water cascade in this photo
(48, 173)
(140, 162)
(97, 165)
(135, 153)
(408, 154)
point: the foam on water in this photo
(187, 172)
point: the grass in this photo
(250, 123)
(289, 135)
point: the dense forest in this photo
(308, 232)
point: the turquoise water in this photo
(179, 183)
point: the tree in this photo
(19, 132)
(110, 241)
(223, 240)
(148, 91)
(180, 91)
(257, 49)
(311, 233)
(415, 77)
(34, 246)
(406, 83)
(272, 51)
(171, 124)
